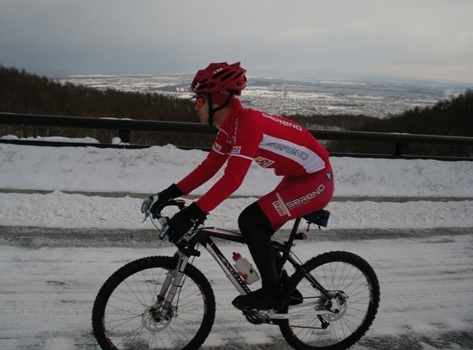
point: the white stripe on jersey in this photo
(308, 159)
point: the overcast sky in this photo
(344, 39)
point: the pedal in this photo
(256, 317)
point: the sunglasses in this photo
(200, 100)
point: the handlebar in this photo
(180, 203)
(183, 245)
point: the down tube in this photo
(227, 267)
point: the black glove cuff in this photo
(195, 212)
(173, 191)
(169, 193)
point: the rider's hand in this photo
(183, 221)
(154, 202)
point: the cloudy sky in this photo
(343, 39)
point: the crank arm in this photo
(298, 311)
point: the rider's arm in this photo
(203, 172)
(246, 136)
(235, 172)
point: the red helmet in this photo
(220, 76)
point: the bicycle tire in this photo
(121, 316)
(336, 271)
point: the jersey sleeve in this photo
(203, 172)
(235, 172)
(245, 136)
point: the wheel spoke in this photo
(125, 314)
(343, 274)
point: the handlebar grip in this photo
(178, 202)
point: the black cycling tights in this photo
(256, 228)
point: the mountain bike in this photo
(165, 302)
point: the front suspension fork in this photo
(171, 286)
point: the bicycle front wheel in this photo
(125, 313)
(316, 324)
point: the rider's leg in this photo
(256, 228)
(292, 198)
(273, 278)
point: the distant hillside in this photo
(447, 117)
(22, 92)
(452, 117)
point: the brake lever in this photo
(163, 220)
(146, 206)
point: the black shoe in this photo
(296, 297)
(258, 300)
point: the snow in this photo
(410, 219)
(69, 172)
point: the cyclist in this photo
(273, 142)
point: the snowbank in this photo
(89, 169)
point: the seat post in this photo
(286, 247)
(295, 227)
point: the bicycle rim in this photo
(337, 272)
(123, 317)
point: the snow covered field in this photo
(411, 219)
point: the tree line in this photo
(449, 117)
(23, 92)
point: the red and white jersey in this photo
(246, 135)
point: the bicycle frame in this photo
(204, 235)
(233, 275)
(168, 301)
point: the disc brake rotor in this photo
(150, 321)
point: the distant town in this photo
(305, 97)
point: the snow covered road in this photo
(57, 246)
(49, 285)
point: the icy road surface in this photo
(50, 278)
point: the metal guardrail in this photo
(125, 126)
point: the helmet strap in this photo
(212, 111)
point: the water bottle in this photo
(246, 270)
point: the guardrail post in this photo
(124, 135)
(401, 149)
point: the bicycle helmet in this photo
(220, 76)
(220, 82)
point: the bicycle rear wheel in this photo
(342, 273)
(124, 314)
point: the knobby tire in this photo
(336, 271)
(121, 317)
